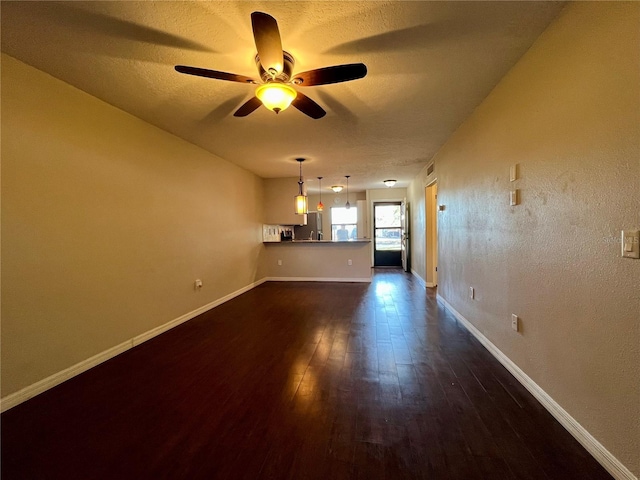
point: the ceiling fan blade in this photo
(326, 75)
(249, 106)
(308, 106)
(268, 43)
(203, 72)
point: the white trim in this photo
(419, 278)
(595, 448)
(320, 279)
(45, 384)
(137, 340)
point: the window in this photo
(344, 223)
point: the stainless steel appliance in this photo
(312, 230)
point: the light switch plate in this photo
(513, 172)
(630, 243)
(514, 197)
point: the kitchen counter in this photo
(318, 260)
(342, 242)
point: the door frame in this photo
(431, 234)
(404, 235)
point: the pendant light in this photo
(301, 198)
(320, 206)
(348, 205)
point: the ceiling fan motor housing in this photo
(287, 70)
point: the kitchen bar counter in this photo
(288, 242)
(318, 260)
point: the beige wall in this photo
(317, 260)
(278, 198)
(569, 115)
(106, 223)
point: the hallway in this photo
(295, 381)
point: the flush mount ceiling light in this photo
(276, 96)
(337, 188)
(347, 205)
(389, 183)
(301, 198)
(320, 206)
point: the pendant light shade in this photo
(348, 205)
(276, 96)
(301, 204)
(320, 206)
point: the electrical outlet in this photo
(349, 262)
(279, 262)
(515, 322)
(472, 293)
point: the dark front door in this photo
(387, 226)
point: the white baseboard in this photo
(419, 278)
(319, 279)
(41, 386)
(51, 381)
(595, 448)
(137, 340)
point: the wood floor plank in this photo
(298, 381)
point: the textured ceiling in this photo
(430, 64)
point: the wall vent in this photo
(430, 169)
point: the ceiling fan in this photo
(275, 66)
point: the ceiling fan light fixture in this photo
(276, 96)
(336, 188)
(389, 183)
(275, 67)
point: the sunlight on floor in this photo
(384, 288)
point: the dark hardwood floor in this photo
(298, 381)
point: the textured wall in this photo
(569, 115)
(106, 223)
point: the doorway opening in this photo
(431, 237)
(387, 238)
